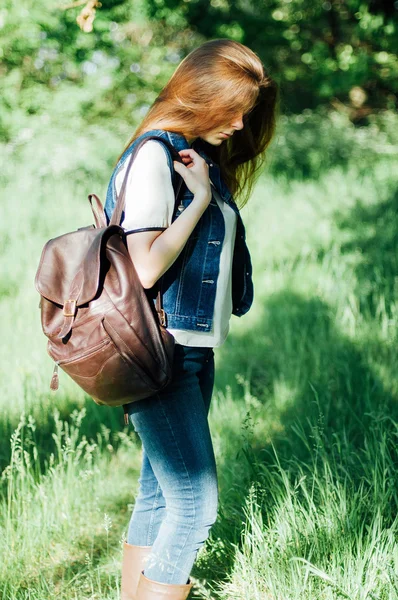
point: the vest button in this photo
(210, 164)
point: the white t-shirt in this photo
(150, 203)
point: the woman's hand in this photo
(195, 172)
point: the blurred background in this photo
(304, 415)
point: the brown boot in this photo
(154, 590)
(134, 559)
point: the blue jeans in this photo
(178, 494)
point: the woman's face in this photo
(217, 136)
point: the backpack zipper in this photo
(54, 384)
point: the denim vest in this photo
(189, 286)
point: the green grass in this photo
(307, 458)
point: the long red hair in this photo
(212, 85)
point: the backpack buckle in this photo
(69, 306)
(162, 317)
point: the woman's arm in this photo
(150, 202)
(153, 252)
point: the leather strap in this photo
(69, 308)
(121, 199)
(121, 202)
(98, 211)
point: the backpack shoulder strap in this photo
(121, 199)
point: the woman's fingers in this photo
(189, 151)
(187, 157)
(194, 170)
(190, 158)
(178, 166)
(190, 155)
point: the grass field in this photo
(307, 459)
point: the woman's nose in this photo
(238, 123)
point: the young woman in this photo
(218, 111)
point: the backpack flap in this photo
(69, 272)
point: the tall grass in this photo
(304, 417)
(57, 531)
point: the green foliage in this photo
(321, 54)
(114, 73)
(309, 144)
(319, 51)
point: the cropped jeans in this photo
(178, 492)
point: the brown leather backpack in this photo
(103, 329)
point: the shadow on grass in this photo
(305, 372)
(375, 237)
